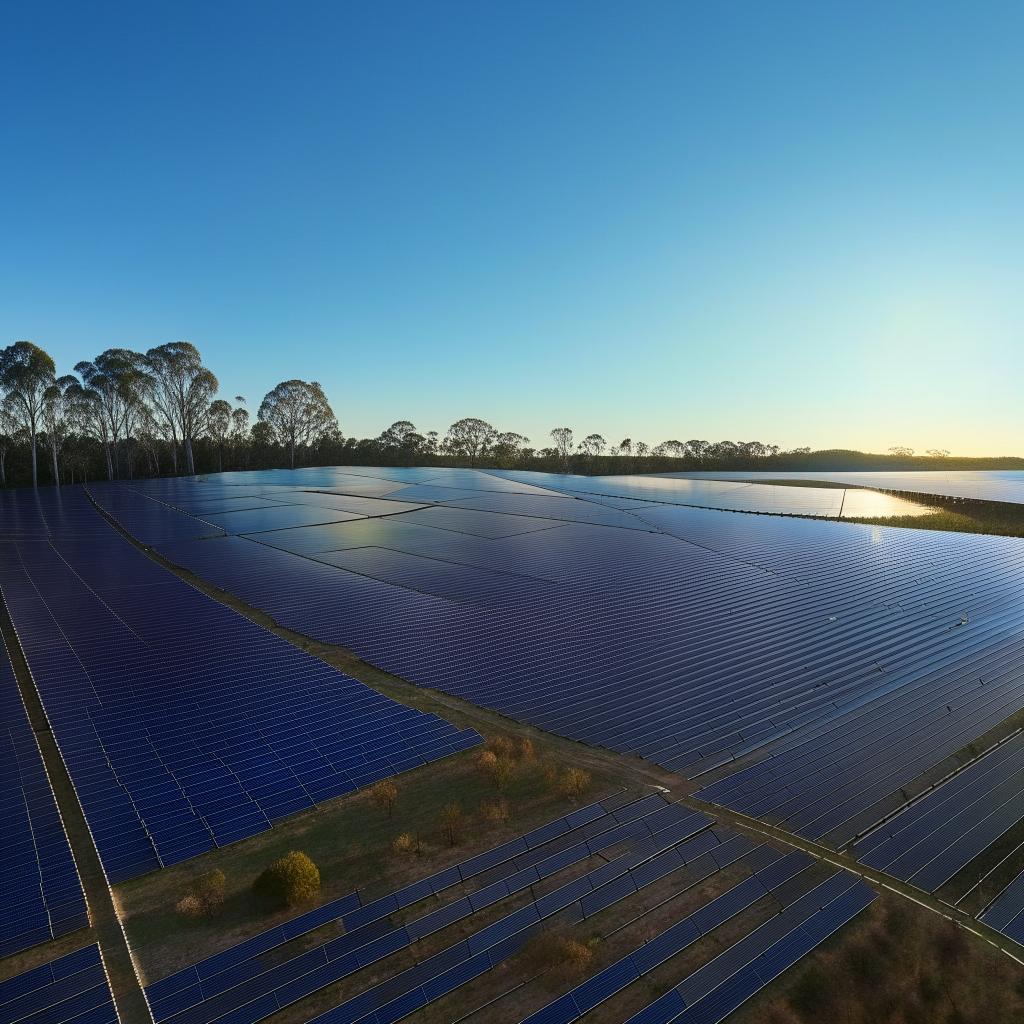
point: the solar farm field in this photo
(800, 740)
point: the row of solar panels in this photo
(1006, 912)
(41, 895)
(931, 840)
(584, 823)
(843, 661)
(124, 655)
(70, 990)
(271, 979)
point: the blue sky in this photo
(802, 223)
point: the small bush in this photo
(501, 746)
(205, 896)
(574, 783)
(452, 822)
(526, 750)
(552, 774)
(289, 882)
(405, 844)
(496, 811)
(384, 794)
(499, 769)
(189, 906)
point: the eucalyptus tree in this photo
(508, 448)
(670, 449)
(181, 389)
(26, 371)
(9, 430)
(58, 417)
(397, 434)
(218, 426)
(470, 438)
(593, 445)
(562, 436)
(240, 432)
(114, 384)
(297, 414)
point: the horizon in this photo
(785, 225)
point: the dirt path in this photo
(106, 926)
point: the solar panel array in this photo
(716, 989)
(802, 671)
(41, 896)
(930, 841)
(265, 980)
(1006, 912)
(184, 725)
(70, 990)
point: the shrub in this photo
(501, 746)
(290, 881)
(189, 906)
(452, 822)
(526, 750)
(210, 889)
(552, 774)
(499, 769)
(205, 896)
(574, 783)
(405, 844)
(384, 794)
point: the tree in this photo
(384, 794)
(508, 448)
(8, 431)
(901, 451)
(298, 414)
(218, 425)
(562, 436)
(470, 438)
(938, 453)
(114, 382)
(452, 822)
(670, 449)
(26, 371)
(289, 881)
(240, 431)
(181, 388)
(574, 783)
(592, 445)
(58, 414)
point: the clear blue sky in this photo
(802, 223)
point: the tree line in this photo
(128, 414)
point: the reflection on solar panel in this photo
(70, 990)
(986, 485)
(802, 671)
(41, 896)
(184, 725)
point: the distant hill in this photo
(844, 459)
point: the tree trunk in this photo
(35, 470)
(110, 462)
(292, 446)
(190, 466)
(56, 468)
